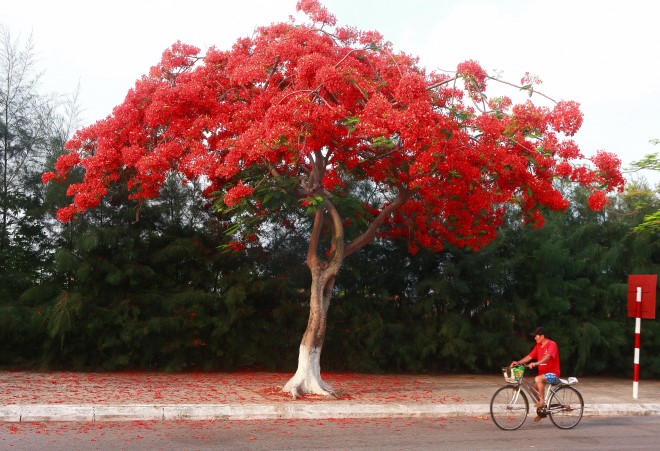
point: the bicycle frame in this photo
(522, 384)
(531, 390)
(509, 405)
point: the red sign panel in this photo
(648, 283)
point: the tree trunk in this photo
(308, 375)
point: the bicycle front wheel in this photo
(566, 407)
(509, 407)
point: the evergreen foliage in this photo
(160, 293)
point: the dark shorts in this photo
(551, 378)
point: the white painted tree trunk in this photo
(308, 375)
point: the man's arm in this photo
(543, 360)
(522, 361)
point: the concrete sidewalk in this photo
(68, 396)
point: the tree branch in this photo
(436, 85)
(272, 71)
(337, 237)
(531, 90)
(312, 256)
(369, 235)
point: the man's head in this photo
(539, 334)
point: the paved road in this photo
(593, 433)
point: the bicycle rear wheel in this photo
(509, 407)
(566, 407)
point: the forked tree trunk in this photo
(308, 375)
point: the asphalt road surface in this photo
(601, 433)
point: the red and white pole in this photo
(638, 330)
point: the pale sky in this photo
(604, 54)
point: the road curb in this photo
(293, 410)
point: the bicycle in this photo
(509, 405)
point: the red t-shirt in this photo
(552, 364)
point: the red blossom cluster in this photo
(472, 70)
(528, 80)
(316, 11)
(597, 201)
(236, 246)
(567, 117)
(315, 111)
(475, 79)
(235, 194)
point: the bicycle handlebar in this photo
(526, 365)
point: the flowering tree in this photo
(331, 124)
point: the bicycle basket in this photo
(513, 375)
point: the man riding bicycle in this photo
(546, 355)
